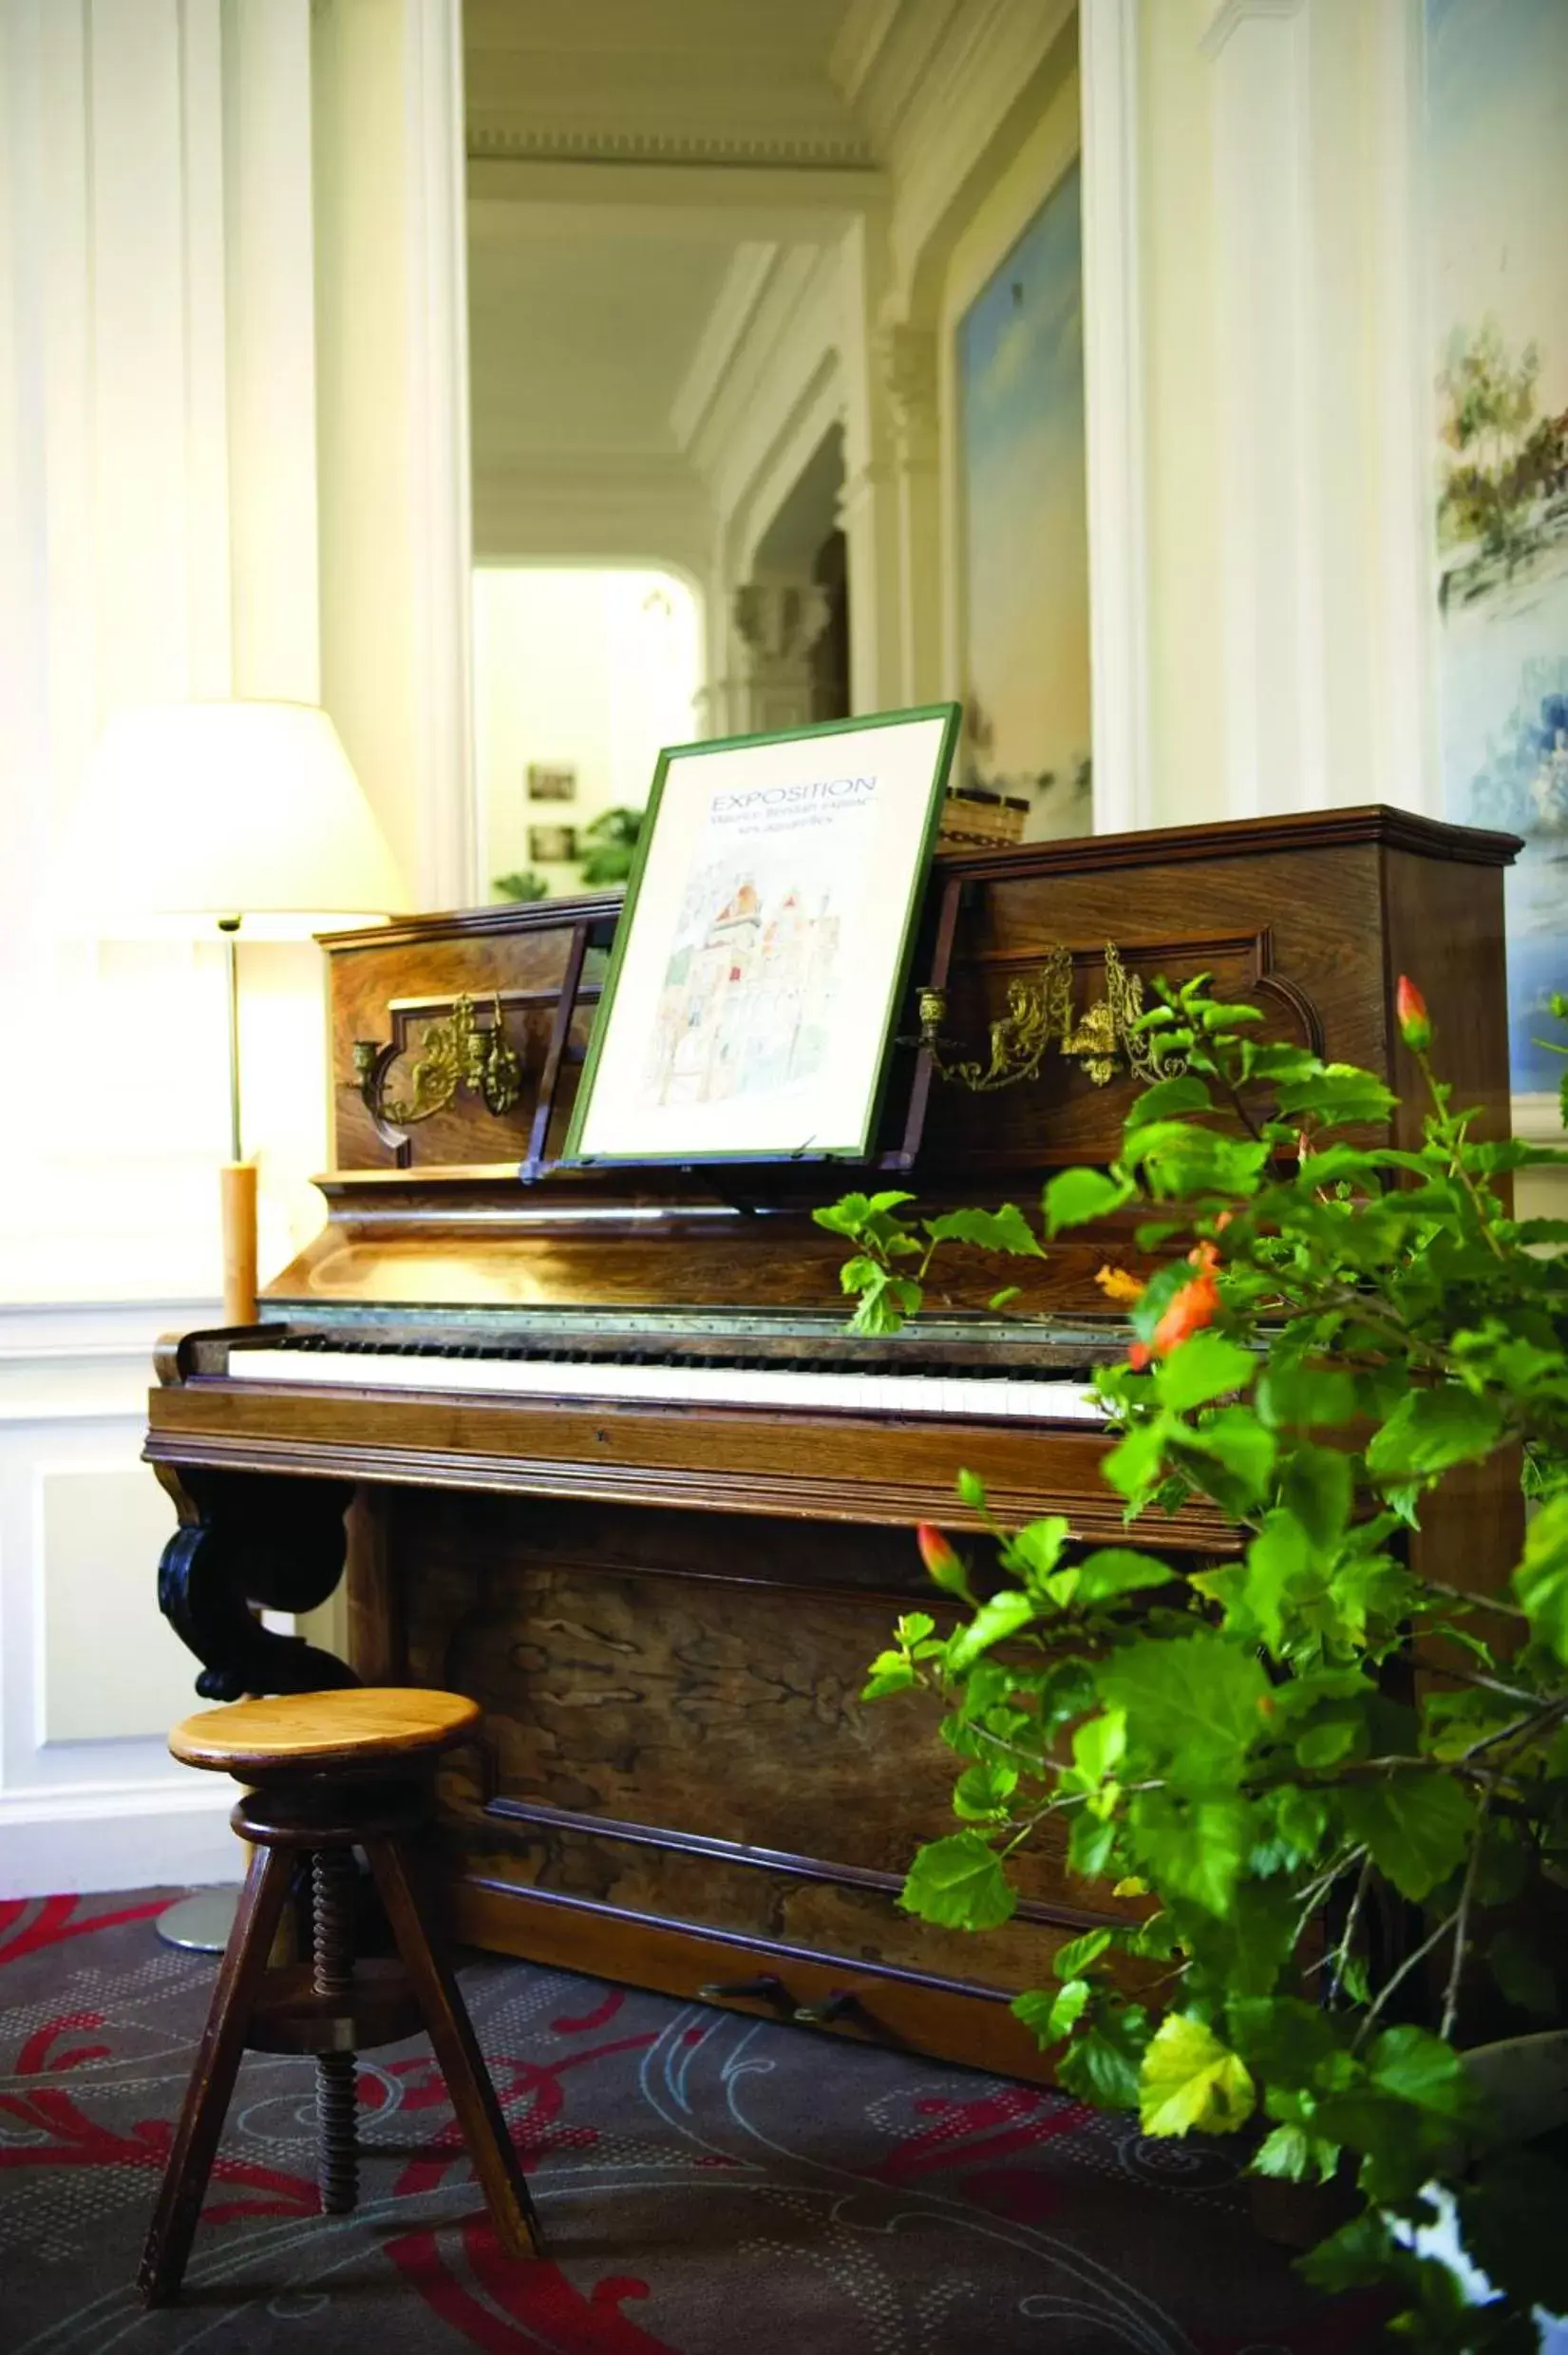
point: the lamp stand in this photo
(200, 1923)
(237, 1178)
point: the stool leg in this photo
(478, 2114)
(336, 2092)
(194, 2144)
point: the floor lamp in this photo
(219, 820)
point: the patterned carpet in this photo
(708, 2185)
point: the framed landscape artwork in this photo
(764, 948)
(552, 845)
(1024, 524)
(1497, 215)
(547, 784)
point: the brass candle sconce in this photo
(1039, 1018)
(456, 1053)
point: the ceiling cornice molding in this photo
(775, 150)
(734, 308)
(1226, 15)
(859, 45)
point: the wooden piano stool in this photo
(333, 1772)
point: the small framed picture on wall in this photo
(551, 782)
(552, 845)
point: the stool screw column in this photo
(336, 2094)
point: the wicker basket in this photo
(971, 816)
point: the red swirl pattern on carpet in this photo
(710, 2186)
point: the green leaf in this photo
(1005, 1229)
(1540, 1582)
(1305, 1396)
(1205, 1366)
(1195, 1698)
(1076, 1196)
(1244, 1451)
(1338, 1094)
(856, 1274)
(1317, 1487)
(1294, 2153)
(982, 1792)
(890, 1673)
(1097, 1748)
(1167, 1099)
(1072, 2002)
(1000, 1300)
(1280, 2037)
(914, 1626)
(1181, 1159)
(1190, 2080)
(1415, 2066)
(1090, 1845)
(1102, 2066)
(1432, 1429)
(1511, 2216)
(1198, 1846)
(880, 1202)
(1110, 1571)
(999, 1617)
(1522, 1973)
(844, 1217)
(958, 1884)
(1033, 1551)
(1418, 1826)
(1072, 1960)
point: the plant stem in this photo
(1401, 1974)
(1462, 1924)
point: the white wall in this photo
(174, 422)
(587, 670)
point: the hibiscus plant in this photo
(1335, 1789)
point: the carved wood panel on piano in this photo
(622, 1478)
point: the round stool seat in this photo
(313, 1733)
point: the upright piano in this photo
(595, 1448)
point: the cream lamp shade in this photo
(195, 813)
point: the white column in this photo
(868, 513)
(392, 362)
(1113, 387)
(1320, 370)
(776, 625)
(1271, 490)
(907, 354)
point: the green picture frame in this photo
(919, 793)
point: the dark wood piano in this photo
(598, 1451)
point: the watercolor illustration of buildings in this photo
(746, 1008)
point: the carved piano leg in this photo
(246, 1539)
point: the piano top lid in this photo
(1371, 823)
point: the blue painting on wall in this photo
(1025, 529)
(1497, 102)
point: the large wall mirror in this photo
(776, 359)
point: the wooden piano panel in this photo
(672, 1733)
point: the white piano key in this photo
(637, 1382)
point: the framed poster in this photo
(765, 944)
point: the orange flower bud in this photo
(1415, 1023)
(1116, 1285)
(938, 1556)
(1139, 1355)
(1196, 1306)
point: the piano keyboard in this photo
(981, 1398)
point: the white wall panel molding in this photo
(1113, 401)
(118, 1836)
